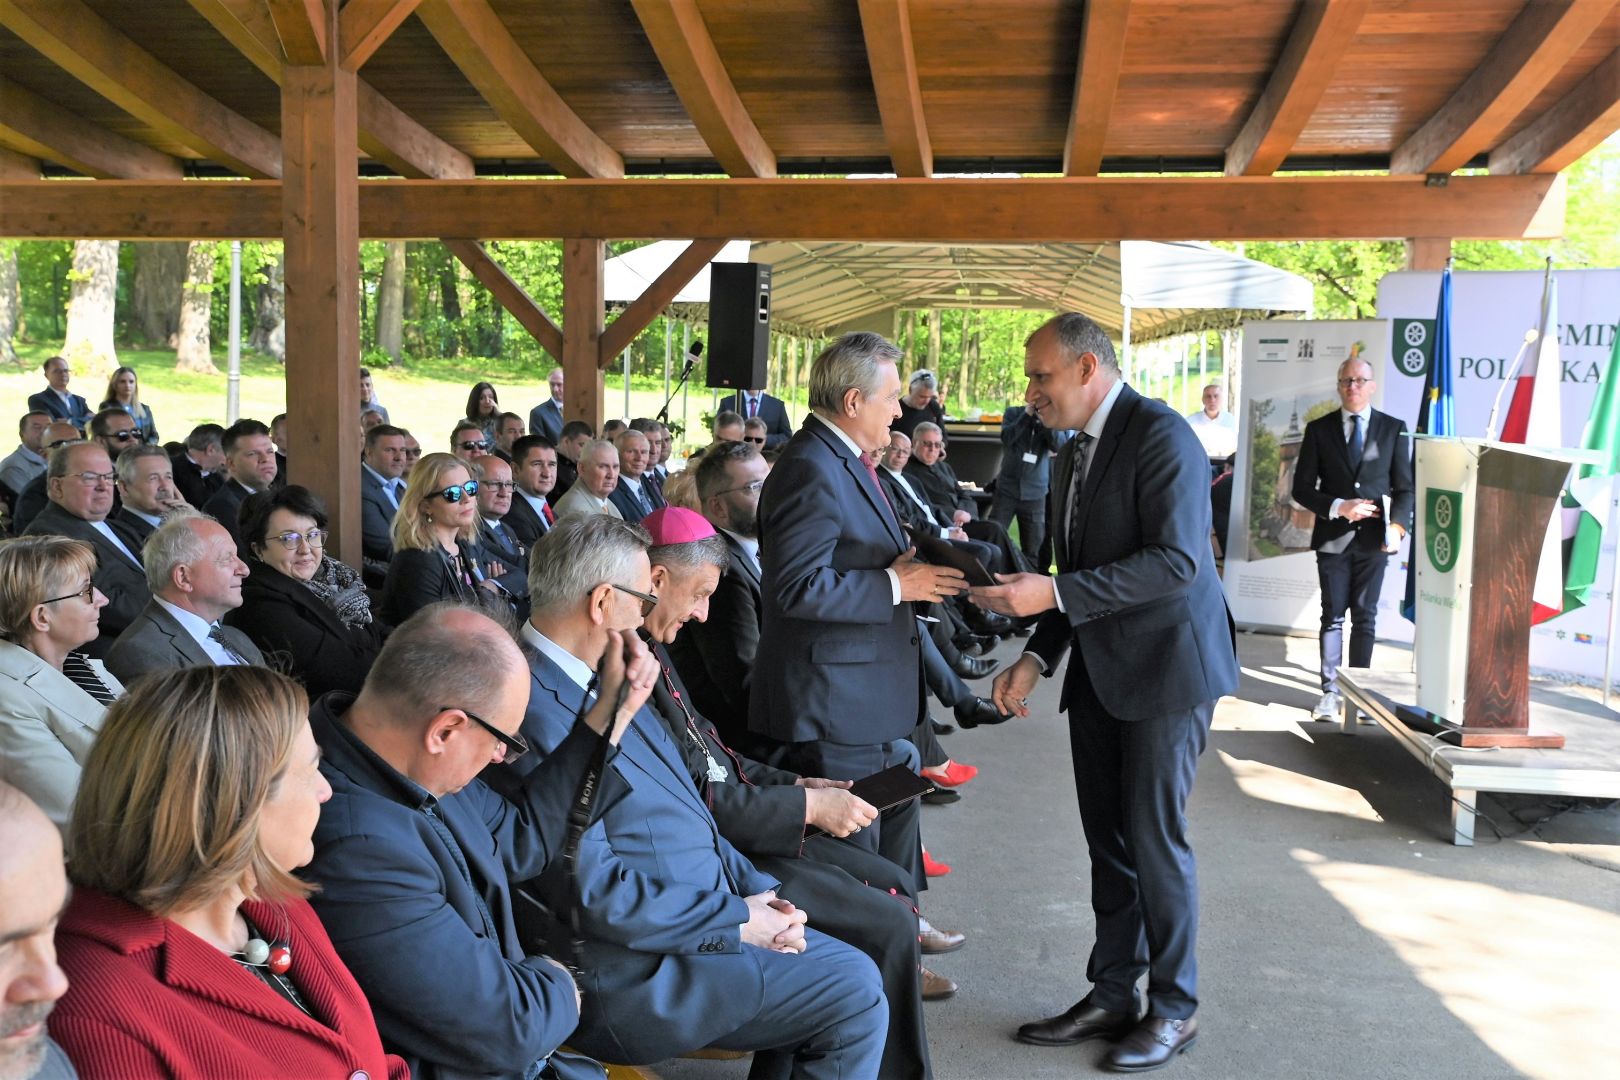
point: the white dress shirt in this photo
(199, 628)
(107, 530)
(572, 666)
(1346, 423)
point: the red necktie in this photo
(872, 470)
(753, 406)
(545, 510)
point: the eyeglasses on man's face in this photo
(124, 436)
(87, 594)
(648, 600)
(290, 539)
(516, 745)
(1356, 383)
(752, 487)
(756, 439)
(94, 477)
(456, 492)
(474, 444)
(498, 486)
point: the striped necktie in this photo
(76, 666)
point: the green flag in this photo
(1592, 490)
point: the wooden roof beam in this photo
(365, 24)
(511, 295)
(478, 43)
(301, 27)
(886, 25)
(1585, 116)
(31, 125)
(655, 298)
(1321, 33)
(681, 39)
(15, 166)
(247, 25)
(1096, 83)
(1521, 63)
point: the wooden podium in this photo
(1482, 514)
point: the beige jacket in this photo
(47, 725)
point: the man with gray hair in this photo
(671, 920)
(146, 486)
(195, 578)
(838, 678)
(598, 479)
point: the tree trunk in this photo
(196, 306)
(269, 334)
(391, 302)
(160, 272)
(964, 375)
(89, 345)
(936, 330)
(10, 301)
(908, 332)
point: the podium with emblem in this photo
(1482, 514)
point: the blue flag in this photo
(1437, 415)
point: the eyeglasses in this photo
(516, 745)
(124, 436)
(87, 594)
(754, 439)
(290, 540)
(499, 486)
(648, 601)
(456, 492)
(1357, 383)
(474, 444)
(92, 477)
(751, 486)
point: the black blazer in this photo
(123, 582)
(715, 657)
(510, 553)
(224, 505)
(525, 524)
(194, 487)
(939, 486)
(628, 507)
(376, 519)
(417, 578)
(132, 527)
(778, 429)
(567, 473)
(1323, 473)
(297, 631)
(79, 415)
(907, 509)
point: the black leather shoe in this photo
(941, 729)
(942, 797)
(988, 622)
(1084, 1021)
(972, 648)
(977, 710)
(1152, 1044)
(974, 667)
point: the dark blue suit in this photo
(428, 931)
(632, 509)
(546, 419)
(78, 414)
(1152, 650)
(778, 428)
(660, 908)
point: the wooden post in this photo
(1428, 252)
(321, 228)
(584, 392)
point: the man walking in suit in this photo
(757, 404)
(1025, 478)
(56, 399)
(838, 677)
(1137, 598)
(1355, 474)
(546, 418)
(534, 470)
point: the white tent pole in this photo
(686, 388)
(1125, 340)
(627, 382)
(233, 381)
(1203, 363)
(669, 348)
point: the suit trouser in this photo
(1031, 516)
(883, 925)
(1350, 579)
(995, 535)
(1133, 779)
(897, 834)
(944, 683)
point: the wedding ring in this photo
(1023, 702)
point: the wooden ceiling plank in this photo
(365, 24)
(32, 125)
(1582, 119)
(86, 46)
(886, 25)
(473, 36)
(247, 25)
(687, 54)
(1096, 83)
(15, 166)
(1321, 34)
(656, 297)
(1519, 66)
(301, 28)
(509, 293)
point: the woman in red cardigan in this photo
(189, 948)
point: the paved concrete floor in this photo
(1341, 935)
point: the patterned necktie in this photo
(216, 634)
(76, 666)
(872, 471)
(1077, 480)
(753, 406)
(1357, 443)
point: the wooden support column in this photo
(321, 228)
(584, 393)
(1428, 252)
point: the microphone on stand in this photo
(694, 353)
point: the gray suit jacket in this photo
(156, 641)
(376, 519)
(123, 582)
(47, 725)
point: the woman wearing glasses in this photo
(484, 409)
(298, 604)
(435, 529)
(52, 696)
(124, 392)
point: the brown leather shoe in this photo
(1152, 1044)
(936, 987)
(1083, 1021)
(935, 941)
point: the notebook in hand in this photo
(944, 553)
(885, 789)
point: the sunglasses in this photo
(516, 745)
(456, 492)
(760, 439)
(648, 601)
(124, 436)
(474, 444)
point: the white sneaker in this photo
(1327, 708)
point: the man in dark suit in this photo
(952, 505)
(414, 854)
(634, 496)
(671, 920)
(146, 487)
(78, 508)
(250, 465)
(1025, 477)
(56, 399)
(382, 483)
(1355, 474)
(1153, 647)
(534, 470)
(546, 418)
(199, 468)
(576, 435)
(838, 677)
(503, 556)
(35, 495)
(757, 404)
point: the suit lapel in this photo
(740, 558)
(874, 496)
(1062, 474)
(1102, 456)
(183, 643)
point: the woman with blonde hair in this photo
(189, 946)
(435, 535)
(52, 696)
(124, 392)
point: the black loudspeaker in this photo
(739, 325)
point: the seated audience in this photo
(27, 462)
(951, 505)
(80, 485)
(195, 578)
(250, 465)
(670, 920)
(368, 398)
(147, 489)
(56, 399)
(308, 613)
(657, 450)
(382, 483)
(189, 946)
(413, 450)
(913, 509)
(728, 426)
(115, 430)
(598, 479)
(414, 854)
(33, 892)
(611, 429)
(468, 441)
(124, 392)
(634, 495)
(199, 467)
(435, 532)
(483, 409)
(503, 557)
(534, 470)
(370, 419)
(52, 696)
(36, 495)
(508, 429)
(576, 435)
